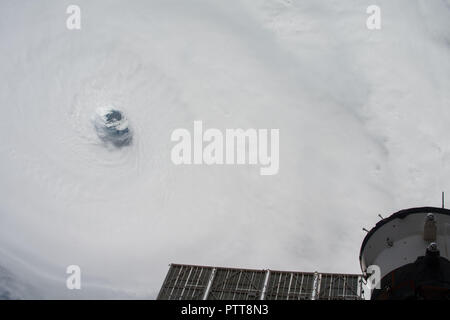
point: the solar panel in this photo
(290, 286)
(339, 287)
(190, 282)
(237, 284)
(185, 282)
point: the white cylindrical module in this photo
(411, 249)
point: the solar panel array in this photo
(190, 282)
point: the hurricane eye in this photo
(112, 126)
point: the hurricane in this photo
(86, 176)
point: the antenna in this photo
(443, 200)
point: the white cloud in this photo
(362, 117)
